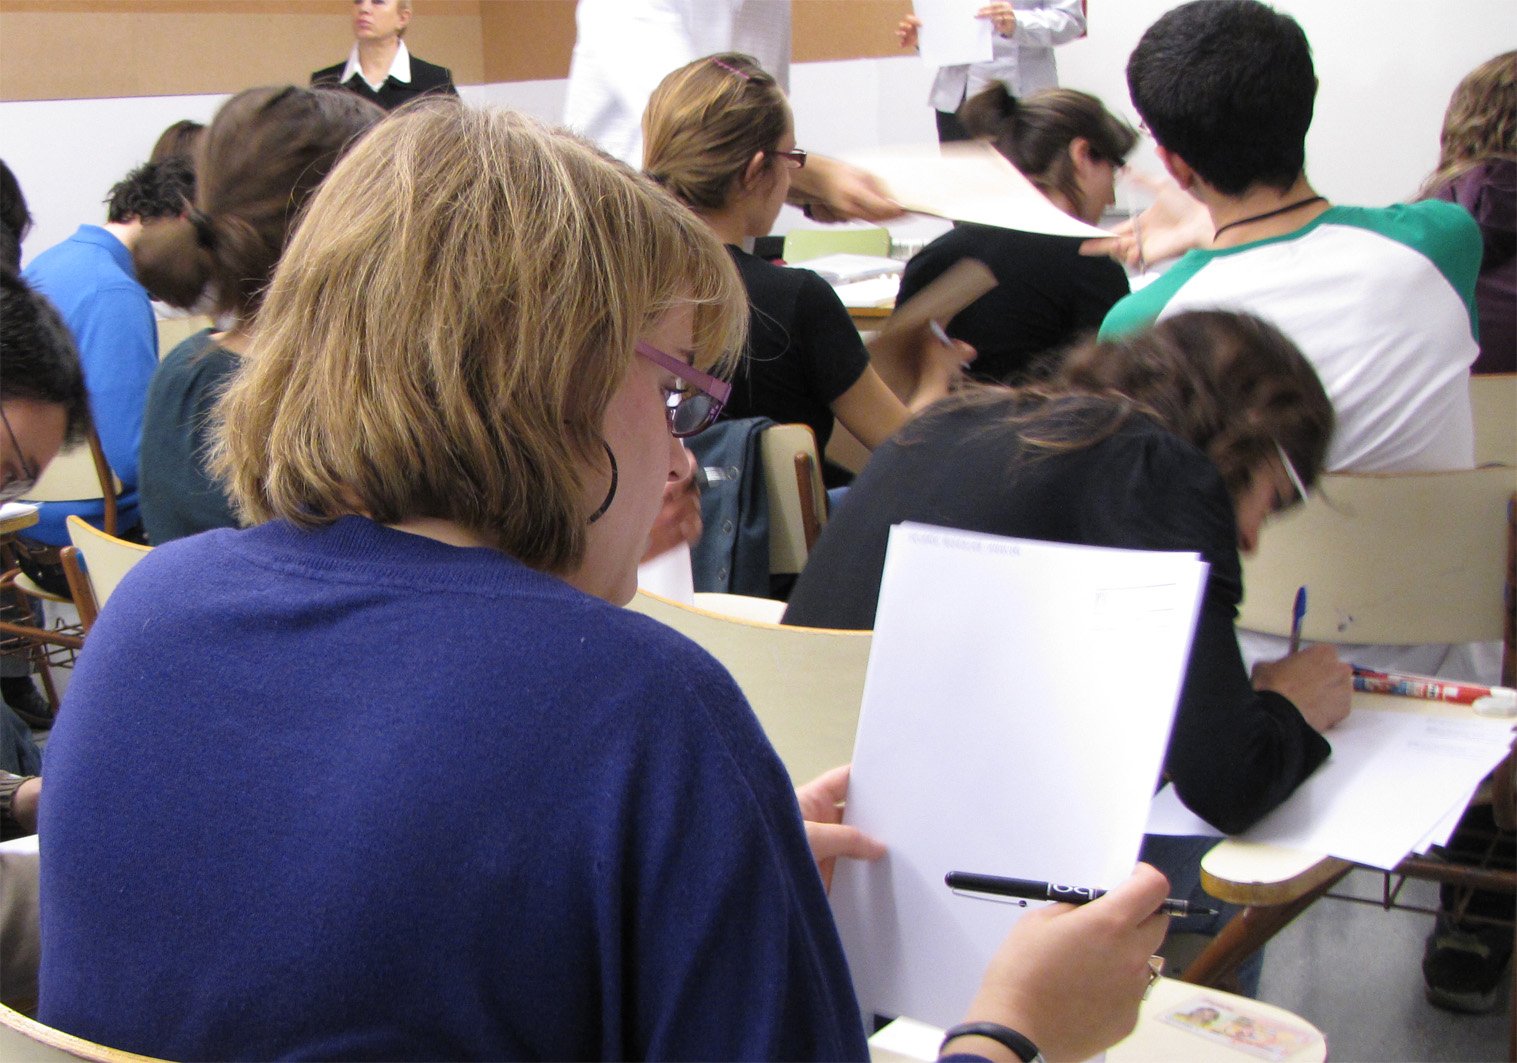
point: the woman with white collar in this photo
(380, 68)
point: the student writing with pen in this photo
(1185, 437)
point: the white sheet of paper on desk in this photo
(877, 291)
(1441, 834)
(969, 182)
(950, 34)
(1393, 781)
(1016, 711)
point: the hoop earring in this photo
(611, 494)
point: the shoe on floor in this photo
(26, 701)
(1462, 969)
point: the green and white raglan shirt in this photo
(1381, 300)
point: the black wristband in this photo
(1021, 1046)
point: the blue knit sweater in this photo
(353, 793)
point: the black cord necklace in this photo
(1269, 214)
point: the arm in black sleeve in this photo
(834, 353)
(1235, 753)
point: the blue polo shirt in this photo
(91, 280)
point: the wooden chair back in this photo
(1399, 559)
(797, 499)
(805, 684)
(1493, 398)
(24, 1040)
(802, 245)
(106, 560)
(79, 474)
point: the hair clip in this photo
(732, 69)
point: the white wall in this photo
(1386, 72)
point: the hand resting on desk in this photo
(1316, 682)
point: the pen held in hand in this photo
(1298, 614)
(1035, 890)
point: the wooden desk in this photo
(19, 518)
(1152, 1041)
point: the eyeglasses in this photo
(692, 408)
(795, 155)
(17, 488)
(1297, 484)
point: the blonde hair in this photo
(448, 348)
(706, 121)
(1481, 120)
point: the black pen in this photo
(1033, 890)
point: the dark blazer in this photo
(426, 78)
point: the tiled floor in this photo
(1355, 972)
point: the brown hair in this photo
(1231, 384)
(181, 139)
(1481, 120)
(264, 154)
(449, 324)
(1034, 134)
(705, 121)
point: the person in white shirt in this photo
(380, 68)
(1024, 35)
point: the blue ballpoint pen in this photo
(1298, 614)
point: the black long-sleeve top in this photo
(1235, 753)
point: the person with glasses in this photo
(1184, 437)
(718, 133)
(43, 408)
(576, 842)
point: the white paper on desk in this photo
(1392, 778)
(877, 291)
(950, 35)
(1016, 710)
(11, 510)
(1441, 834)
(969, 182)
(1167, 814)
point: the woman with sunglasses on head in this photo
(581, 844)
(718, 133)
(1186, 437)
(1047, 295)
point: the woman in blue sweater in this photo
(422, 789)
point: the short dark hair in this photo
(37, 356)
(15, 219)
(151, 191)
(181, 139)
(1228, 86)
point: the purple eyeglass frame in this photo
(714, 388)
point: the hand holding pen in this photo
(1320, 686)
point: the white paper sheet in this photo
(1392, 782)
(669, 575)
(1441, 834)
(950, 35)
(969, 182)
(1016, 711)
(877, 291)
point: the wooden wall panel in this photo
(526, 40)
(73, 49)
(66, 49)
(845, 29)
